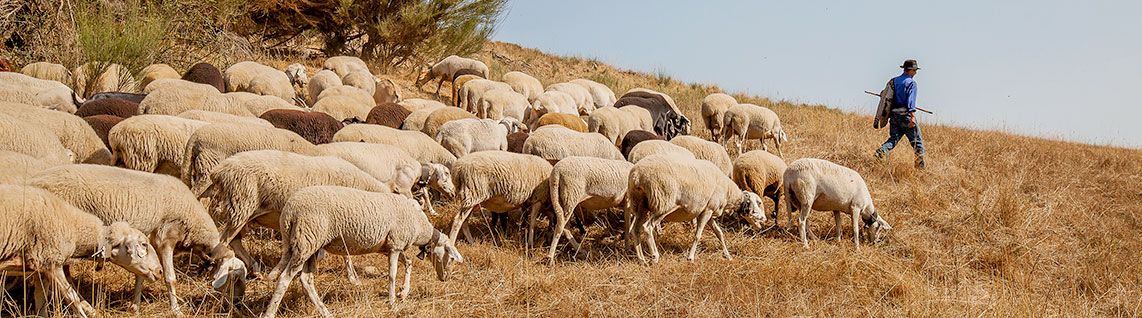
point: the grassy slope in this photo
(998, 225)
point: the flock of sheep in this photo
(186, 163)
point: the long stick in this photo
(917, 108)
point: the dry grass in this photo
(997, 225)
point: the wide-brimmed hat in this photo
(910, 65)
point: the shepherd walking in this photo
(898, 109)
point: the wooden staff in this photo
(917, 108)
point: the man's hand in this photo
(911, 120)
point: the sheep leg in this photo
(557, 231)
(407, 276)
(802, 217)
(722, 239)
(310, 290)
(427, 201)
(291, 271)
(458, 222)
(837, 227)
(40, 295)
(59, 281)
(394, 258)
(137, 294)
(438, 85)
(856, 227)
(531, 224)
(166, 256)
(702, 220)
(240, 251)
(635, 234)
(648, 227)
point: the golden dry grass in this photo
(997, 225)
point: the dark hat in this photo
(910, 65)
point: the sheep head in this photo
(875, 228)
(443, 253)
(513, 125)
(752, 209)
(128, 247)
(438, 177)
(296, 74)
(230, 277)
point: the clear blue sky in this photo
(1065, 69)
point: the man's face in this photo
(911, 72)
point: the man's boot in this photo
(920, 162)
(879, 155)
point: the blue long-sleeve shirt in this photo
(904, 93)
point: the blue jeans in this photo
(898, 127)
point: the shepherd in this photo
(897, 109)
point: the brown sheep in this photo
(102, 124)
(6, 66)
(387, 92)
(459, 82)
(206, 74)
(516, 140)
(634, 137)
(441, 116)
(565, 120)
(388, 114)
(316, 127)
(761, 172)
(108, 106)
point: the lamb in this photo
(387, 164)
(415, 120)
(473, 90)
(612, 123)
(655, 147)
(446, 69)
(524, 84)
(645, 120)
(315, 127)
(602, 95)
(554, 143)
(420, 146)
(706, 150)
(102, 124)
(152, 143)
(261, 104)
(296, 74)
(34, 140)
(361, 79)
(108, 106)
(668, 119)
(159, 206)
(48, 71)
(516, 141)
(212, 143)
(45, 93)
(251, 186)
(205, 73)
(761, 172)
(815, 184)
(566, 120)
(714, 109)
(499, 181)
(73, 132)
(183, 96)
(386, 91)
(156, 71)
(498, 103)
(749, 121)
(343, 65)
(465, 136)
(388, 114)
(347, 221)
(680, 189)
(220, 118)
(550, 102)
(584, 102)
(259, 79)
(587, 184)
(441, 116)
(44, 233)
(16, 168)
(459, 82)
(112, 78)
(633, 138)
(323, 80)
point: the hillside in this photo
(997, 225)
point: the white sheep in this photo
(680, 189)
(296, 74)
(361, 79)
(219, 118)
(44, 233)
(48, 71)
(395, 167)
(706, 150)
(165, 83)
(416, 119)
(112, 78)
(498, 103)
(16, 168)
(526, 85)
(345, 102)
(584, 102)
(550, 102)
(173, 97)
(761, 172)
(749, 121)
(261, 104)
(348, 221)
(414, 104)
(442, 116)
(259, 79)
(464, 136)
(251, 186)
(612, 123)
(714, 108)
(343, 65)
(321, 81)
(152, 143)
(447, 68)
(657, 147)
(212, 143)
(499, 181)
(815, 184)
(420, 146)
(580, 184)
(155, 72)
(46, 93)
(645, 119)
(555, 142)
(73, 132)
(473, 91)
(34, 140)
(159, 206)
(602, 95)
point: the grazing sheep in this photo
(680, 189)
(566, 120)
(259, 79)
(464, 136)
(761, 172)
(714, 109)
(44, 233)
(390, 164)
(108, 106)
(252, 186)
(102, 124)
(17, 168)
(261, 104)
(584, 102)
(386, 91)
(156, 71)
(499, 181)
(414, 104)
(212, 143)
(633, 138)
(472, 91)
(526, 85)
(815, 184)
(43, 93)
(112, 78)
(343, 108)
(131, 97)
(323, 80)
(73, 132)
(415, 120)
(48, 71)
(178, 98)
(459, 82)
(348, 221)
(205, 73)
(420, 146)
(446, 70)
(221, 118)
(440, 117)
(668, 119)
(317, 128)
(656, 147)
(706, 150)
(612, 123)
(466, 72)
(557, 142)
(296, 74)
(356, 94)
(498, 103)
(584, 184)
(343, 65)
(388, 114)
(749, 121)
(602, 95)
(152, 143)
(516, 141)
(549, 102)
(361, 79)
(159, 206)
